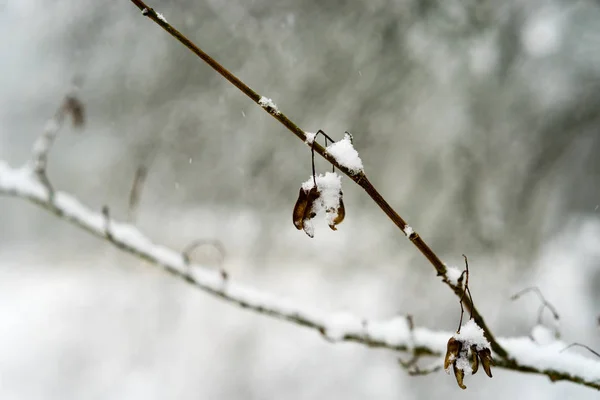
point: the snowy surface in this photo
(161, 17)
(453, 275)
(345, 154)
(330, 188)
(268, 105)
(310, 137)
(472, 335)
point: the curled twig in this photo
(545, 304)
(72, 106)
(213, 243)
(588, 348)
(136, 189)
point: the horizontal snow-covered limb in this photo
(394, 334)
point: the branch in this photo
(359, 177)
(397, 334)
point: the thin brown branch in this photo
(588, 348)
(360, 178)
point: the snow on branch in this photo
(395, 334)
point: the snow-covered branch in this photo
(396, 334)
(341, 155)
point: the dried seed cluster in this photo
(465, 351)
(320, 193)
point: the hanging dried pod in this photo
(485, 356)
(474, 360)
(299, 208)
(453, 349)
(460, 376)
(340, 213)
(310, 211)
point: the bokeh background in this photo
(477, 120)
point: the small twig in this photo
(545, 303)
(584, 346)
(106, 214)
(312, 150)
(136, 189)
(465, 291)
(216, 244)
(42, 146)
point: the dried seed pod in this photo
(474, 360)
(460, 376)
(341, 213)
(311, 198)
(309, 211)
(454, 347)
(299, 209)
(485, 356)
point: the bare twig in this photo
(588, 348)
(413, 368)
(360, 178)
(70, 106)
(545, 303)
(136, 190)
(106, 215)
(215, 244)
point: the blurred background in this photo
(477, 120)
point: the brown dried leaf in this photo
(299, 209)
(341, 214)
(474, 360)
(460, 376)
(453, 349)
(485, 356)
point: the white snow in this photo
(472, 335)
(453, 275)
(310, 138)
(395, 332)
(542, 335)
(408, 230)
(161, 17)
(269, 105)
(345, 154)
(145, 11)
(342, 324)
(330, 188)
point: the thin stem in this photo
(360, 178)
(545, 303)
(588, 348)
(462, 298)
